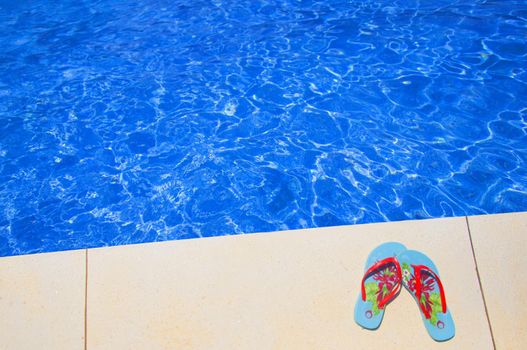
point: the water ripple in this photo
(153, 120)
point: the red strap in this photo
(418, 290)
(377, 266)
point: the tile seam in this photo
(86, 303)
(480, 284)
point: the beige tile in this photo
(282, 290)
(500, 245)
(42, 301)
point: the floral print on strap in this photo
(386, 283)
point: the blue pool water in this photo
(137, 121)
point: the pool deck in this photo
(286, 290)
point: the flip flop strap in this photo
(418, 288)
(377, 266)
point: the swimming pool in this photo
(138, 121)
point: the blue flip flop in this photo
(421, 279)
(380, 285)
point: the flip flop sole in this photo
(366, 314)
(440, 326)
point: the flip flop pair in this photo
(391, 266)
